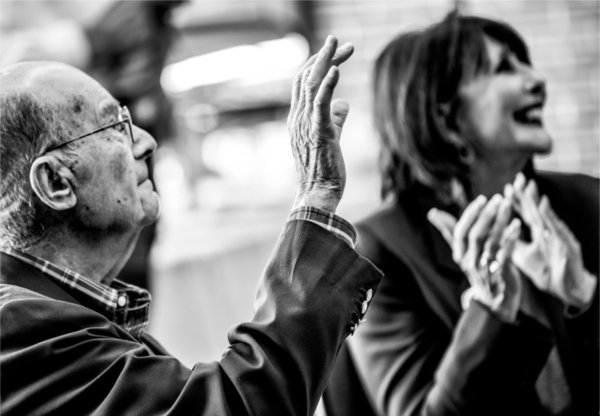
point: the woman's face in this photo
(500, 109)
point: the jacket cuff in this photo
(328, 220)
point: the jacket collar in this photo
(18, 273)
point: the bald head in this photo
(42, 103)
(54, 85)
(39, 74)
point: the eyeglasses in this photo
(123, 118)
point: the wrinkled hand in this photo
(552, 260)
(482, 242)
(315, 124)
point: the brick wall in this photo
(563, 37)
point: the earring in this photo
(466, 154)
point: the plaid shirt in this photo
(127, 305)
(124, 304)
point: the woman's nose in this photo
(535, 83)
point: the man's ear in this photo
(51, 181)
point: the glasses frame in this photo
(125, 118)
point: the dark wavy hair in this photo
(417, 74)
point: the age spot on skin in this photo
(77, 107)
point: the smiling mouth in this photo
(531, 115)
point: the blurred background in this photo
(211, 81)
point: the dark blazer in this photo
(58, 357)
(418, 353)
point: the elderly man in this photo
(75, 194)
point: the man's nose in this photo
(144, 144)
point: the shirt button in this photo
(122, 300)
(369, 294)
(364, 306)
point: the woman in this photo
(495, 313)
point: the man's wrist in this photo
(327, 220)
(323, 199)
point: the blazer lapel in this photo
(404, 230)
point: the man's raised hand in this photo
(315, 124)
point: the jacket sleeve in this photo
(59, 358)
(412, 364)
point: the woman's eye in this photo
(504, 65)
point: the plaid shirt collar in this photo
(125, 305)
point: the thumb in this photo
(339, 112)
(444, 223)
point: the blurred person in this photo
(75, 195)
(124, 45)
(495, 313)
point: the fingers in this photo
(321, 65)
(500, 225)
(339, 112)
(556, 226)
(342, 54)
(526, 200)
(548, 218)
(444, 222)
(323, 98)
(539, 215)
(514, 190)
(509, 240)
(473, 229)
(308, 80)
(462, 227)
(476, 258)
(520, 182)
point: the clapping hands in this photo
(552, 260)
(482, 242)
(491, 251)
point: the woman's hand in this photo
(552, 260)
(482, 242)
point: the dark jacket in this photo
(60, 358)
(418, 353)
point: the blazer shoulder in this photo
(393, 230)
(10, 293)
(571, 184)
(20, 302)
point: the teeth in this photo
(532, 115)
(535, 114)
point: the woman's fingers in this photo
(480, 231)
(444, 222)
(463, 226)
(527, 199)
(556, 227)
(509, 239)
(501, 222)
